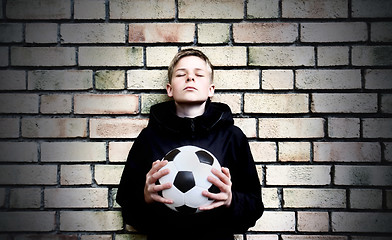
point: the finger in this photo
(211, 206)
(222, 175)
(158, 198)
(158, 188)
(157, 165)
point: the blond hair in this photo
(185, 53)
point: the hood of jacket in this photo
(163, 116)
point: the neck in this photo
(190, 110)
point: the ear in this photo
(211, 90)
(169, 90)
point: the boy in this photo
(191, 119)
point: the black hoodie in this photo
(213, 131)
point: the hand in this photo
(150, 188)
(223, 182)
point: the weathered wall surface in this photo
(308, 81)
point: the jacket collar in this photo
(163, 116)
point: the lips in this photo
(190, 88)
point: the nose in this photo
(190, 79)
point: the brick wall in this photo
(309, 82)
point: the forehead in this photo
(191, 62)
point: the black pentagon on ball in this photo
(172, 154)
(184, 181)
(205, 157)
(186, 209)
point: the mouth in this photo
(190, 88)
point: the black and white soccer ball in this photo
(189, 168)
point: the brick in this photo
(25, 198)
(237, 79)
(11, 32)
(344, 103)
(54, 127)
(281, 56)
(294, 151)
(12, 80)
(18, 103)
(116, 128)
(374, 222)
(204, 9)
(139, 9)
(99, 237)
(369, 238)
(363, 175)
(388, 151)
(377, 128)
(76, 198)
(334, 32)
(118, 151)
(313, 221)
(56, 104)
(371, 9)
(147, 79)
(263, 151)
(389, 199)
(274, 221)
(93, 33)
(90, 9)
(298, 175)
(386, 103)
(33, 56)
(41, 33)
(106, 104)
(314, 198)
(75, 175)
(366, 198)
(262, 9)
(47, 236)
(328, 79)
(161, 32)
(344, 127)
(60, 80)
(3, 56)
(347, 152)
(28, 174)
(147, 100)
(225, 56)
(232, 100)
(109, 79)
(160, 56)
(250, 236)
(270, 197)
(378, 79)
(73, 152)
(247, 125)
(381, 32)
(18, 152)
(39, 9)
(291, 128)
(277, 79)
(213, 33)
(90, 221)
(108, 174)
(276, 103)
(9, 127)
(371, 55)
(314, 9)
(313, 237)
(37, 221)
(111, 56)
(333, 56)
(265, 32)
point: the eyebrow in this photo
(184, 69)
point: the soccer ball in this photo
(189, 168)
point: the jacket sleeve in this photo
(247, 206)
(130, 194)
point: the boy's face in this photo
(191, 81)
